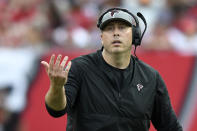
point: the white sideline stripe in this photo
(190, 105)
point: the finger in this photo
(51, 62)
(58, 60)
(68, 67)
(56, 67)
(63, 62)
(46, 65)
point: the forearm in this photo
(55, 98)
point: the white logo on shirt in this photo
(139, 87)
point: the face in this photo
(117, 37)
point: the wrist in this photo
(56, 88)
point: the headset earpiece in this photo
(136, 35)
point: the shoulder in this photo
(147, 75)
(145, 67)
(85, 59)
(85, 62)
(145, 71)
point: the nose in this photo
(116, 31)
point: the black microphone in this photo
(144, 20)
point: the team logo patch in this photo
(113, 12)
(139, 87)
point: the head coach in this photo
(110, 89)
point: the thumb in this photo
(46, 65)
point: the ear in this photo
(102, 42)
(101, 35)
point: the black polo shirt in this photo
(103, 98)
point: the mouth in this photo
(116, 42)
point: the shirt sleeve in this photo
(71, 90)
(163, 116)
(55, 113)
(72, 86)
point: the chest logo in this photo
(139, 87)
(113, 12)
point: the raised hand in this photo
(57, 72)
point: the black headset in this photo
(137, 36)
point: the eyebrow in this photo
(119, 23)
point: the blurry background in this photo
(31, 30)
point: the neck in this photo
(119, 60)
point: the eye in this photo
(122, 27)
(109, 28)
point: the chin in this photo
(120, 50)
(117, 51)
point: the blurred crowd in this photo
(71, 24)
(29, 28)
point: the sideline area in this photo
(175, 69)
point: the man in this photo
(110, 90)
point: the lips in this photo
(116, 42)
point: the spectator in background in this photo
(183, 38)
(16, 67)
(183, 34)
(150, 8)
(157, 39)
(75, 28)
(21, 45)
(176, 29)
(78, 30)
